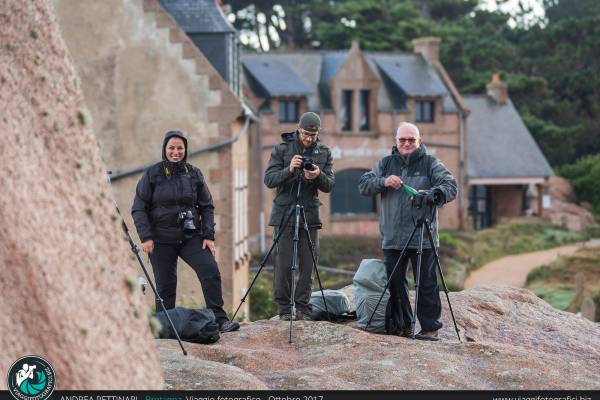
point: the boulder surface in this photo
(510, 340)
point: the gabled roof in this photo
(198, 16)
(412, 74)
(276, 78)
(401, 75)
(498, 142)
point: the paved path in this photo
(513, 270)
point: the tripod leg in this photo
(314, 260)
(264, 261)
(387, 284)
(439, 267)
(418, 276)
(294, 267)
(136, 250)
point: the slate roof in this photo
(198, 16)
(498, 142)
(401, 75)
(276, 77)
(411, 74)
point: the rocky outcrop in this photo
(511, 340)
(67, 292)
(563, 209)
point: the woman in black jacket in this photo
(174, 217)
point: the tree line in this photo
(550, 62)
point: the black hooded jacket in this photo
(166, 189)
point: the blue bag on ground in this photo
(197, 326)
(369, 282)
(338, 306)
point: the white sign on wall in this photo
(338, 152)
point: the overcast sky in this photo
(535, 7)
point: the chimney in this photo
(428, 47)
(497, 89)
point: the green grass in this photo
(559, 298)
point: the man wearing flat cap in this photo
(284, 172)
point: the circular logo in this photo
(31, 378)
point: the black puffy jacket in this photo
(163, 192)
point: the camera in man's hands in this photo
(419, 200)
(428, 198)
(186, 218)
(307, 163)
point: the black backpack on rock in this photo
(197, 326)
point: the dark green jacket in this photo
(421, 171)
(278, 175)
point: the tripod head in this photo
(422, 208)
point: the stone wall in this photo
(142, 77)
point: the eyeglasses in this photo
(410, 140)
(309, 134)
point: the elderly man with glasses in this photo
(287, 168)
(409, 164)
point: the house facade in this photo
(508, 174)
(361, 98)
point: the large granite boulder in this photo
(66, 280)
(564, 211)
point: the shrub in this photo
(262, 305)
(584, 175)
(447, 239)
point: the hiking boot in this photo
(285, 317)
(228, 326)
(427, 335)
(301, 316)
(407, 332)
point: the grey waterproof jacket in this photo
(279, 176)
(420, 170)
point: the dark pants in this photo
(282, 274)
(429, 307)
(164, 265)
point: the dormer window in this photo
(364, 123)
(346, 110)
(424, 111)
(288, 111)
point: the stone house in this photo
(142, 75)
(361, 98)
(508, 174)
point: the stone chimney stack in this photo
(497, 89)
(429, 47)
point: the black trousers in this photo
(282, 274)
(429, 307)
(164, 264)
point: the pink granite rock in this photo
(67, 283)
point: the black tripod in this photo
(423, 224)
(298, 212)
(136, 251)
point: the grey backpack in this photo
(369, 281)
